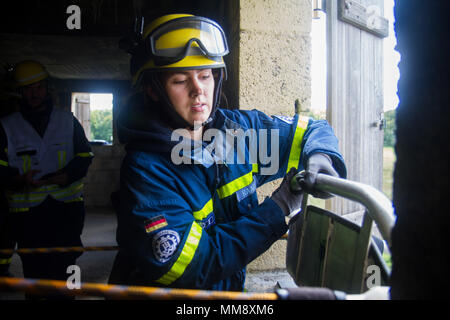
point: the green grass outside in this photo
(389, 159)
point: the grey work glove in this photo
(288, 202)
(318, 163)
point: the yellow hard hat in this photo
(179, 41)
(28, 72)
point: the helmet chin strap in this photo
(168, 113)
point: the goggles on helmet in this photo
(187, 36)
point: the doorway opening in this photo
(95, 113)
(391, 59)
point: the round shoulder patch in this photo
(164, 244)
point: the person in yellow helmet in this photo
(44, 154)
(165, 42)
(188, 212)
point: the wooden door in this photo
(355, 90)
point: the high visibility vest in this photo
(27, 150)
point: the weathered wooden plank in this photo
(368, 18)
(361, 252)
(312, 254)
(340, 259)
(333, 251)
(355, 99)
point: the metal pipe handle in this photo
(379, 207)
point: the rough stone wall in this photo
(274, 55)
(422, 174)
(273, 47)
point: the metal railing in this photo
(378, 206)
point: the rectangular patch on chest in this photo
(210, 220)
(155, 223)
(243, 193)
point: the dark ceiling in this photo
(37, 30)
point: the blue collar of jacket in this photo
(210, 151)
(142, 130)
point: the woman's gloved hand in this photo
(318, 163)
(288, 202)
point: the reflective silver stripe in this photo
(173, 52)
(35, 76)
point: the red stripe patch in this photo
(155, 223)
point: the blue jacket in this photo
(198, 225)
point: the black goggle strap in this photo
(218, 88)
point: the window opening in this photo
(95, 113)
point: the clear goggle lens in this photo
(189, 36)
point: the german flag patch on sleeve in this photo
(155, 223)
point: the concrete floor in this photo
(100, 229)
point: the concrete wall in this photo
(274, 55)
(272, 49)
(103, 175)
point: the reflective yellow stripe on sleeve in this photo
(4, 163)
(84, 154)
(61, 159)
(235, 185)
(203, 212)
(79, 199)
(186, 256)
(19, 209)
(26, 165)
(42, 192)
(296, 147)
(5, 261)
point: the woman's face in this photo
(191, 92)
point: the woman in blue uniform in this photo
(188, 213)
